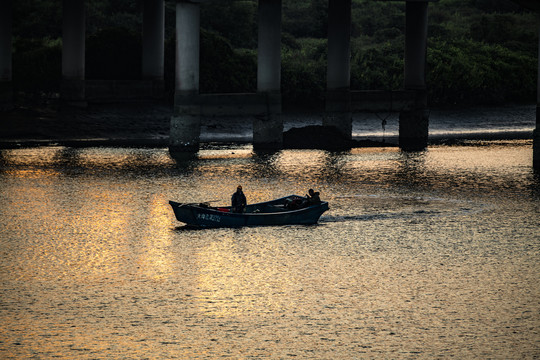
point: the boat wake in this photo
(408, 208)
(370, 217)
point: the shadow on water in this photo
(185, 161)
(183, 158)
(412, 168)
(190, 228)
(334, 164)
(187, 228)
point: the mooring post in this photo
(338, 94)
(153, 44)
(185, 127)
(414, 119)
(73, 51)
(268, 126)
(6, 85)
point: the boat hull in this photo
(260, 214)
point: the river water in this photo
(421, 255)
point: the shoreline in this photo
(456, 140)
(146, 124)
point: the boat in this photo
(288, 210)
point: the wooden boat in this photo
(287, 210)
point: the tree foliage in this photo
(37, 65)
(235, 21)
(465, 71)
(224, 69)
(303, 72)
(113, 54)
(479, 51)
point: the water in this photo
(423, 255)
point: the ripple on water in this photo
(420, 255)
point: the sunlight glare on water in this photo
(429, 254)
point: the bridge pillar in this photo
(153, 44)
(73, 50)
(338, 95)
(268, 127)
(185, 127)
(414, 120)
(536, 133)
(6, 87)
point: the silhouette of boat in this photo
(288, 210)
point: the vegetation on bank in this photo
(479, 51)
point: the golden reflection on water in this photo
(237, 153)
(99, 213)
(493, 157)
(299, 159)
(432, 254)
(239, 287)
(32, 173)
(156, 261)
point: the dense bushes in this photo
(303, 72)
(468, 72)
(481, 51)
(377, 67)
(113, 54)
(224, 69)
(235, 20)
(37, 65)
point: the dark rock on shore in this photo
(323, 137)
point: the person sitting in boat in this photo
(238, 200)
(313, 197)
(295, 204)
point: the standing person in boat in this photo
(313, 197)
(238, 200)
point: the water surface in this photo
(422, 255)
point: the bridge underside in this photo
(265, 104)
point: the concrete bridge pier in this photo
(536, 133)
(6, 86)
(338, 95)
(268, 126)
(536, 138)
(73, 51)
(153, 44)
(185, 127)
(414, 120)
